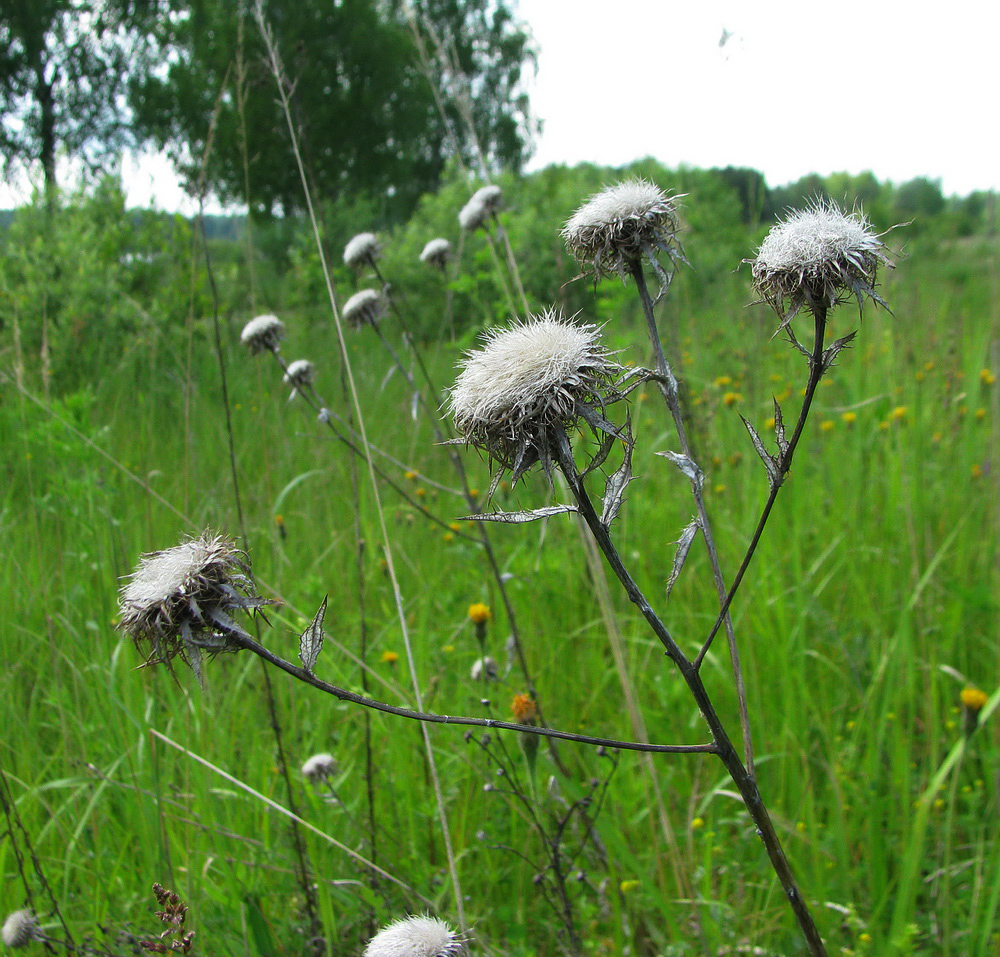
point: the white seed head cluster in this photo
(299, 374)
(484, 668)
(263, 333)
(364, 308)
(622, 225)
(415, 937)
(436, 253)
(483, 204)
(182, 598)
(814, 256)
(528, 379)
(319, 766)
(363, 250)
(19, 929)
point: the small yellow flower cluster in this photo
(479, 613)
(524, 708)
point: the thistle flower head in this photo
(319, 766)
(263, 333)
(473, 215)
(530, 381)
(490, 196)
(181, 600)
(816, 255)
(19, 929)
(364, 308)
(621, 226)
(363, 250)
(415, 937)
(436, 253)
(299, 375)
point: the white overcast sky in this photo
(902, 89)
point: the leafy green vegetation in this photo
(870, 606)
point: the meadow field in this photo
(132, 417)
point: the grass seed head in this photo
(436, 253)
(181, 600)
(364, 308)
(415, 937)
(815, 256)
(527, 380)
(363, 250)
(20, 929)
(621, 226)
(263, 333)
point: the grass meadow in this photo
(871, 604)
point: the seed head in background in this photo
(364, 308)
(529, 382)
(20, 929)
(319, 766)
(363, 250)
(263, 334)
(436, 253)
(181, 600)
(814, 257)
(299, 375)
(415, 937)
(622, 226)
(483, 204)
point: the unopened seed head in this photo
(19, 929)
(263, 333)
(363, 250)
(621, 226)
(436, 253)
(364, 308)
(415, 937)
(816, 255)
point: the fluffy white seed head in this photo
(182, 598)
(490, 196)
(263, 333)
(816, 255)
(363, 250)
(621, 226)
(415, 937)
(527, 380)
(20, 929)
(473, 215)
(484, 668)
(364, 308)
(319, 766)
(436, 253)
(300, 373)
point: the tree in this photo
(366, 114)
(62, 68)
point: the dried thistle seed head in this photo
(490, 196)
(364, 308)
(263, 333)
(363, 250)
(20, 929)
(622, 226)
(816, 255)
(436, 253)
(473, 215)
(299, 375)
(415, 937)
(319, 766)
(180, 600)
(528, 381)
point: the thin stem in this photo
(742, 778)
(784, 464)
(668, 388)
(342, 694)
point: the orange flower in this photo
(524, 708)
(479, 613)
(390, 657)
(974, 699)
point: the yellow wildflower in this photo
(479, 613)
(389, 657)
(524, 708)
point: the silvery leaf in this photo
(779, 428)
(519, 518)
(683, 547)
(311, 640)
(773, 473)
(614, 488)
(687, 466)
(831, 351)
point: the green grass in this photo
(876, 584)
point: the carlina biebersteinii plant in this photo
(621, 227)
(319, 766)
(20, 929)
(483, 204)
(436, 253)
(363, 250)
(816, 255)
(415, 937)
(180, 601)
(263, 334)
(299, 375)
(531, 382)
(364, 308)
